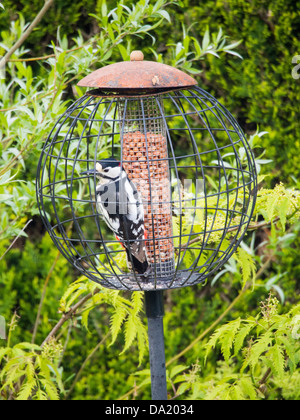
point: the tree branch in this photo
(69, 315)
(45, 57)
(36, 21)
(15, 240)
(36, 324)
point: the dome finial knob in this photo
(136, 56)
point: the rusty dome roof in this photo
(137, 75)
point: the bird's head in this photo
(107, 169)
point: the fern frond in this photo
(228, 337)
(40, 395)
(247, 264)
(85, 317)
(276, 353)
(219, 392)
(117, 320)
(290, 350)
(241, 335)
(12, 371)
(271, 205)
(261, 346)
(248, 388)
(26, 390)
(237, 393)
(142, 338)
(138, 302)
(30, 370)
(213, 341)
(3, 352)
(50, 389)
(130, 331)
(225, 335)
(283, 211)
(74, 287)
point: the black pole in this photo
(155, 312)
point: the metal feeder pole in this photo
(155, 313)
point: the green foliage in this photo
(247, 264)
(126, 313)
(191, 50)
(280, 203)
(260, 87)
(260, 354)
(65, 14)
(274, 352)
(30, 371)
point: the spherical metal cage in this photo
(189, 159)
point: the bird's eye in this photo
(106, 170)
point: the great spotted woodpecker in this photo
(120, 204)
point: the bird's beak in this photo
(93, 172)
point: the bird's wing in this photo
(122, 209)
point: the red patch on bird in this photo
(118, 239)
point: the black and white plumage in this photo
(120, 204)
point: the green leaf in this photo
(130, 332)
(103, 8)
(241, 335)
(142, 338)
(248, 388)
(177, 369)
(232, 46)
(5, 197)
(247, 263)
(26, 390)
(183, 388)
(271, 205)
(290, 350)
(277, 355)
(262, 345)
(144, 28)
(164, 14)
(219, 36)
(197, 47)
(138, 302)
(111, 32)
(85, 317)
(227, 338)
(234, 53)
(283, 212)
(117, 320)
(206, 40)
(28, 346)
(50, 389)
(123, 52)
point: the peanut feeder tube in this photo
(145, 159)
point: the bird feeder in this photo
(187, 157)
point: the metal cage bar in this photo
(162, 141)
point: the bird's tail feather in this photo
(139, 265)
